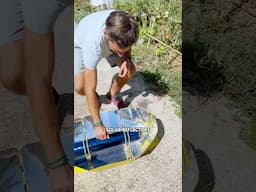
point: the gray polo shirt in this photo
(90, 40)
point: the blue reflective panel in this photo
(111, 150)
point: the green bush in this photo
(161, 18)
(81, 8)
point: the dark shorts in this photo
(114, 59)
(38, 15)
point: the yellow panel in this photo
(81, 170)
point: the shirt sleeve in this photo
(91, 56)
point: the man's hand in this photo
(123, 69)
(101, 133)
(61, 179)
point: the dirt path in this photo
(159, 171)
(215, 128)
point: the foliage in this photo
(203, 75)
(163, 75)
(248, 134)
(227, 37)
(81, 8)
(161, 18)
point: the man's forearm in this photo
(90, 84)
(45, 119)
(93, 105)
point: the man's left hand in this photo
(123, 69)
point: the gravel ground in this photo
(214, 128)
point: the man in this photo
(109, 34)
(26, 67)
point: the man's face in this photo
(116, 49)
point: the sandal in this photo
(117, 101)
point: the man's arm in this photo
(90, 79)
(39, 57)
(39, 70)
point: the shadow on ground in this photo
(160, 133)
(206, 181)
(138, 87)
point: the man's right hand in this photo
(101, 133)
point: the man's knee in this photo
(79, 84)
(79, 88)
(14, 82)
(12, 67)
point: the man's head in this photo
(121, 32)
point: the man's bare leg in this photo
(79, 84)
(12, 68)
(39, 70)
(39, 59)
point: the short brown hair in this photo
(122, 28)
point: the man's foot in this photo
(118, 102)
